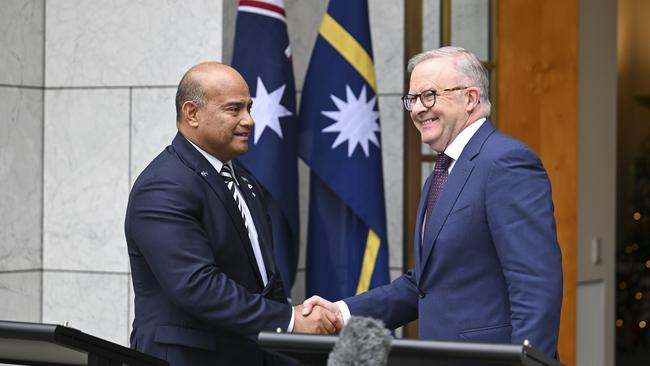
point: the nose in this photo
(247, 119)
(418, 107)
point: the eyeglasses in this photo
(427, 97)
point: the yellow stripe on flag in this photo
(349, 48)
(368, 265)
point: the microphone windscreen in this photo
(363, 342)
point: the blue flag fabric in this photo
(262, 55)
(340, 140)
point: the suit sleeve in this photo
(164, 221)
(395, 304)
(520, 216)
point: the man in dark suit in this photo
(488, 266)
(199, 238)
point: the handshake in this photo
(318, 316)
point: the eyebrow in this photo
(238, 103)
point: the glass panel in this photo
(430, 24)
(426, 149)
(470, 26)
(427, 168)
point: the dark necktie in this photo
(227, 176)
(440, 174)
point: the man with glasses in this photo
(488, 266)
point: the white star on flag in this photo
(267, 110)
(356, 121)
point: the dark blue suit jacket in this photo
(199, 298)
(489, 268)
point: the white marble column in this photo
(21, 158)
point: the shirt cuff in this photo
(293, 317)
(345, 311)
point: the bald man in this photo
(199, 238)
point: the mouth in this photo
(242, 134)
(427, 122)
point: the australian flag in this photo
(262, 55)
(340, 140)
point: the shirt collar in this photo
(216, 163)
(456, 147)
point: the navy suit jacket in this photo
(489, 268)
(199, 298)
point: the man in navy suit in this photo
(199, 238)
(488, 266)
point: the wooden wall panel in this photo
(537, 102)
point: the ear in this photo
(473, 98)
(190, 111)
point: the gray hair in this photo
(466, 63)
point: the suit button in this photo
(422, 294)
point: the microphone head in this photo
(363, 342)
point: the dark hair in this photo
(189, 89)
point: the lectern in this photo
(313, 350)
(50, 344)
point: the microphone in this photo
(363, 342)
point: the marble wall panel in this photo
(470, 26)
(394, 273)
(131, 308)
(430, 25)
(124, 42)
(86, 179)
(303, 22)
(91, 302)
(21, 36)
(229, 10)
(21, 178)
(298, 290)
(153, 125)
(303, 197)
(21, 296)
(387, 31)
(392, 120)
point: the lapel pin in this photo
(250, 186)
(204, 173)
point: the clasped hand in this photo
(317, 316)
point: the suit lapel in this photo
(452, 189)
(193, 159)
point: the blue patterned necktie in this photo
(440, 174)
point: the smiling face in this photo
(222, 125)
(440, 124)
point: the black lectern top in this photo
(313, 350)
(49, 344)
